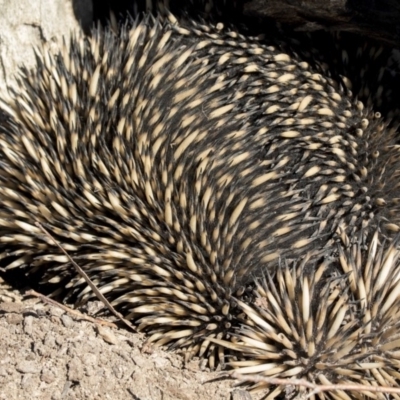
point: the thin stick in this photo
(75, 313)
(83, 274)
(316, 388)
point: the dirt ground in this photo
(49, 354)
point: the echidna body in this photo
(370, 69)
(174, 162)
(338, 323)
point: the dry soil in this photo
(47, 353)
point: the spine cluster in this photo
(184, 167)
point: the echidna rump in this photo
(336, 324)
(370, 68)
(176, 161)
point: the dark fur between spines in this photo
(175, 162)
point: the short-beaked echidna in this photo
(371, 69)
(174, 162)
(337, 323)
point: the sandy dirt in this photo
(49, 354)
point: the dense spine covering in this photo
(370, 70)
(336, 324)
(176, 162)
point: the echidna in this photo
(370, 68)
(338, 323)
(175, 162)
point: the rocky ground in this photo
(47, 353)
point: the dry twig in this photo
(75, 313)
(83, 274)
(315, 388)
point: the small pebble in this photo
(240, 394)
(27, 382)
(107, 335)
(47, 376)
(118, 371)
(14, 319)
(11, 307)
(75, 370)
(28, 367)
(28, 325)
(49, 340)
(66, 320)
(93, 307)
(56, 312)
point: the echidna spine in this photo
(175, 162)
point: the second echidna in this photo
(174, 162)
(336, 324)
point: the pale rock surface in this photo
(28, 23)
